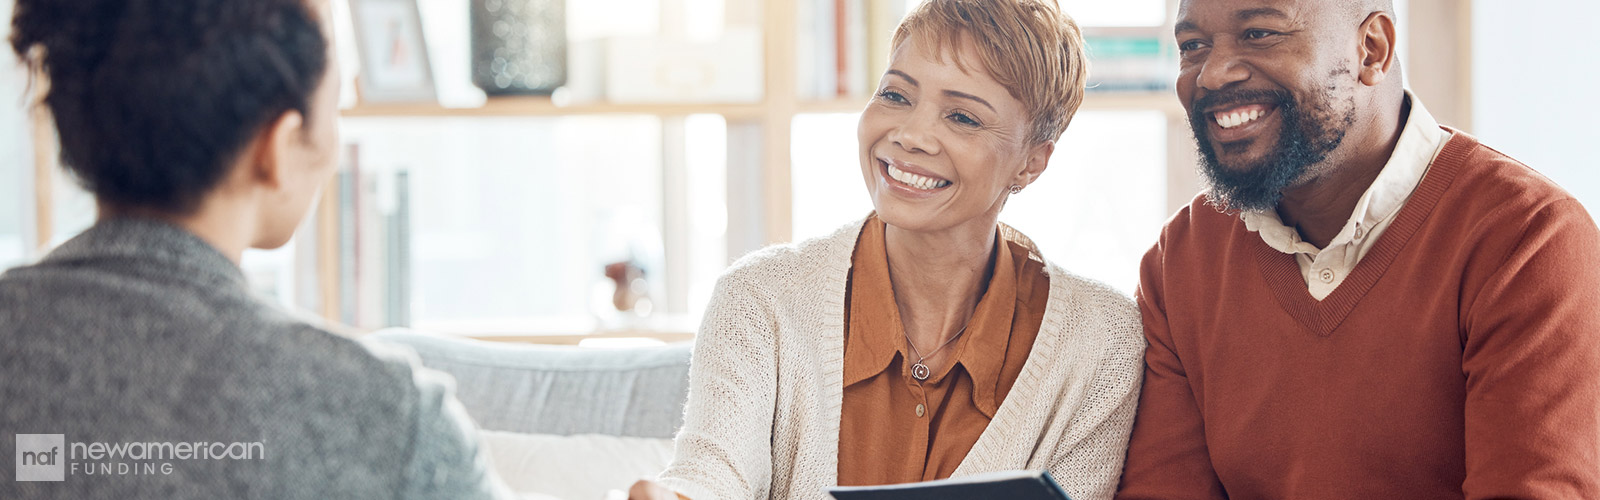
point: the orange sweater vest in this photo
(1460, 359)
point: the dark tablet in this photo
(1015, 485)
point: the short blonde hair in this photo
(1029, 46)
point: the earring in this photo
(1016, 189)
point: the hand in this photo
(648, 490)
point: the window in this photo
(1533, 88)
(514, 219)
(1101, 203)
(828, 188)
(16, 177)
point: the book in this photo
(398, 253)
(1012, 485)
(805, 51)
(349, 241)
(841, 46)
(826, 77)
(883, 17)
(356, 253)
(853, 71)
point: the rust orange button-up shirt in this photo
(894, 429)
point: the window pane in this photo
(706, 158)
(514, 220)
(1533, 94)
(16, 178)
(1101, 203)
(74, 208)
(828, 188)
(271, 273)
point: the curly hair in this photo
(154, 99)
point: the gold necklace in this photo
(920, 371)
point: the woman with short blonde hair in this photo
(927, 340)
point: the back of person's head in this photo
(156, 101)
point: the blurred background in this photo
(583, 171)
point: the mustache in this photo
(1229, 98)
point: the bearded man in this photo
(1364, 304)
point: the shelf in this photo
(841, 105)
(1158, 101)
(543, 106)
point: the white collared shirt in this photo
(1325, 268)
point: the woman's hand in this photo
(646, 489)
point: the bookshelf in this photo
(759, 134)
(760, 142)
(1093, 101)
(772, 116)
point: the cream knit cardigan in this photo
(767, 379)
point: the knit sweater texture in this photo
(766, 384)
(1460, 359)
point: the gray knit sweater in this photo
(138, 332)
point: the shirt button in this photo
(921, 410)
(1326, 275)
(1360, 231)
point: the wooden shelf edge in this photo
(532, 106)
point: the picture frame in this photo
(393, 52)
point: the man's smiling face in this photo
(1270, 90)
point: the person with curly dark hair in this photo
(134, 360)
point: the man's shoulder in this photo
(1199, 224)
(1491, 180)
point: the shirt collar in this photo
(1420, 141)
(876, 335)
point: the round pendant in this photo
(919, 371)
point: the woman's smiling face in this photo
(942, 145)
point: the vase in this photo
(519, 47)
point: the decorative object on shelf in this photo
(633, 292)
(628, 249)
(519, 46)
(394, 53)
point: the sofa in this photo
(564, 422)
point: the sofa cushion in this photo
(560, 390)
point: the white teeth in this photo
(915, 180)
(1238, 118)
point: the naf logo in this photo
(41, 457)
